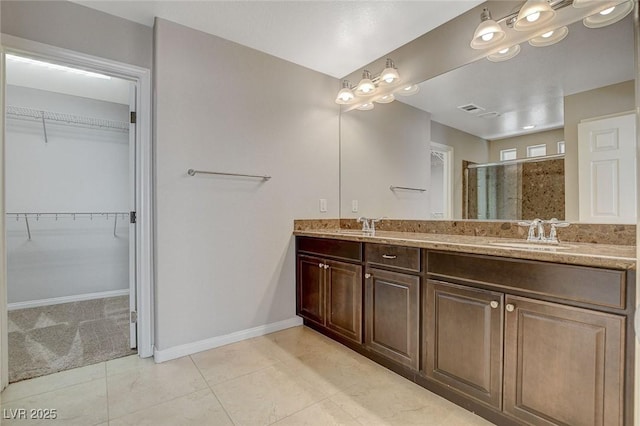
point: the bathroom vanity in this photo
(516, 334)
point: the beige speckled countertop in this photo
(586, 254)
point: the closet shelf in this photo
(70, 215)
(69, 119)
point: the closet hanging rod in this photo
(406, 188)
(70, 119)
(192, 172)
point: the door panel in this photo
(464, 340)
(607, 166)
(311, 288)
(392, 317)
(133, 301)
(563, 365)
(344, 299)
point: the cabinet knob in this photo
(326, 266)
(494, 304)
(510, 307)
(320, 265)
(367, 276)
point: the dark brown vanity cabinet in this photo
(464, 339)
(392, 303)
(330, 290)
(538, 361)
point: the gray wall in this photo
(465, 147)
(386, 146)
(79, 28)
(607, 100)
(225, 253)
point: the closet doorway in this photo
(70, 227)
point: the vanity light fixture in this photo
(608, 16)
(488, 32)
(345, 95)
(390, 74)
(504, 54)
(534, 14)
(366, 86)
(550, 37)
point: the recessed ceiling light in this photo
(528, 127)
(43, 64)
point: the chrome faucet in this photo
(365, 224)
(538, 225)
(374, 221)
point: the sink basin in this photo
(532, 246)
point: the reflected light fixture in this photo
(345, 95)
(368, 106)
(408, 90)
(534, 14)
(504, 54)
(488, 32)
(390, 74)
(550, 37)
(386, 99)
(609, 15)
(366, 86)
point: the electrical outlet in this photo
(323, 205)
(354, 206)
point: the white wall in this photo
(78, 170)
(225, 253)
(386, 146)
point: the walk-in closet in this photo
(69, 190)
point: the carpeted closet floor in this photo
(53, 338)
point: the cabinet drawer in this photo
(335, 248)
(407, 258)
(586, 285)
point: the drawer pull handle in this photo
(389, 256)
(494, 304)
(510, 307)
(367, 276)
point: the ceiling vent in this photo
(489, 115)
(471, 108)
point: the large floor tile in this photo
(325, 413)
(296, 341)
(235, 360)
(134, 390)
(52, 382)
(394, 401)
(200, 408)
(127, 364)
(266, 396)
(83, 404)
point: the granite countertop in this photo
(585, 254)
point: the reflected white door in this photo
(133, 324)
(441, 181)
(607, 169)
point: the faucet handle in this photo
(557, 224)
(365, 223)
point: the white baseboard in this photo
(214, 342)
(66, 299)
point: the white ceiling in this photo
(332, 37)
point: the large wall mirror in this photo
(463, 147)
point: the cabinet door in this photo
(311, 288)
(344, 299)
(463, 344)
(563, 365)
(392, 326)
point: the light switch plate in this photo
(323, 205)
(354, 206)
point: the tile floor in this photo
(292, 377)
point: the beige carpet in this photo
(53, 338)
